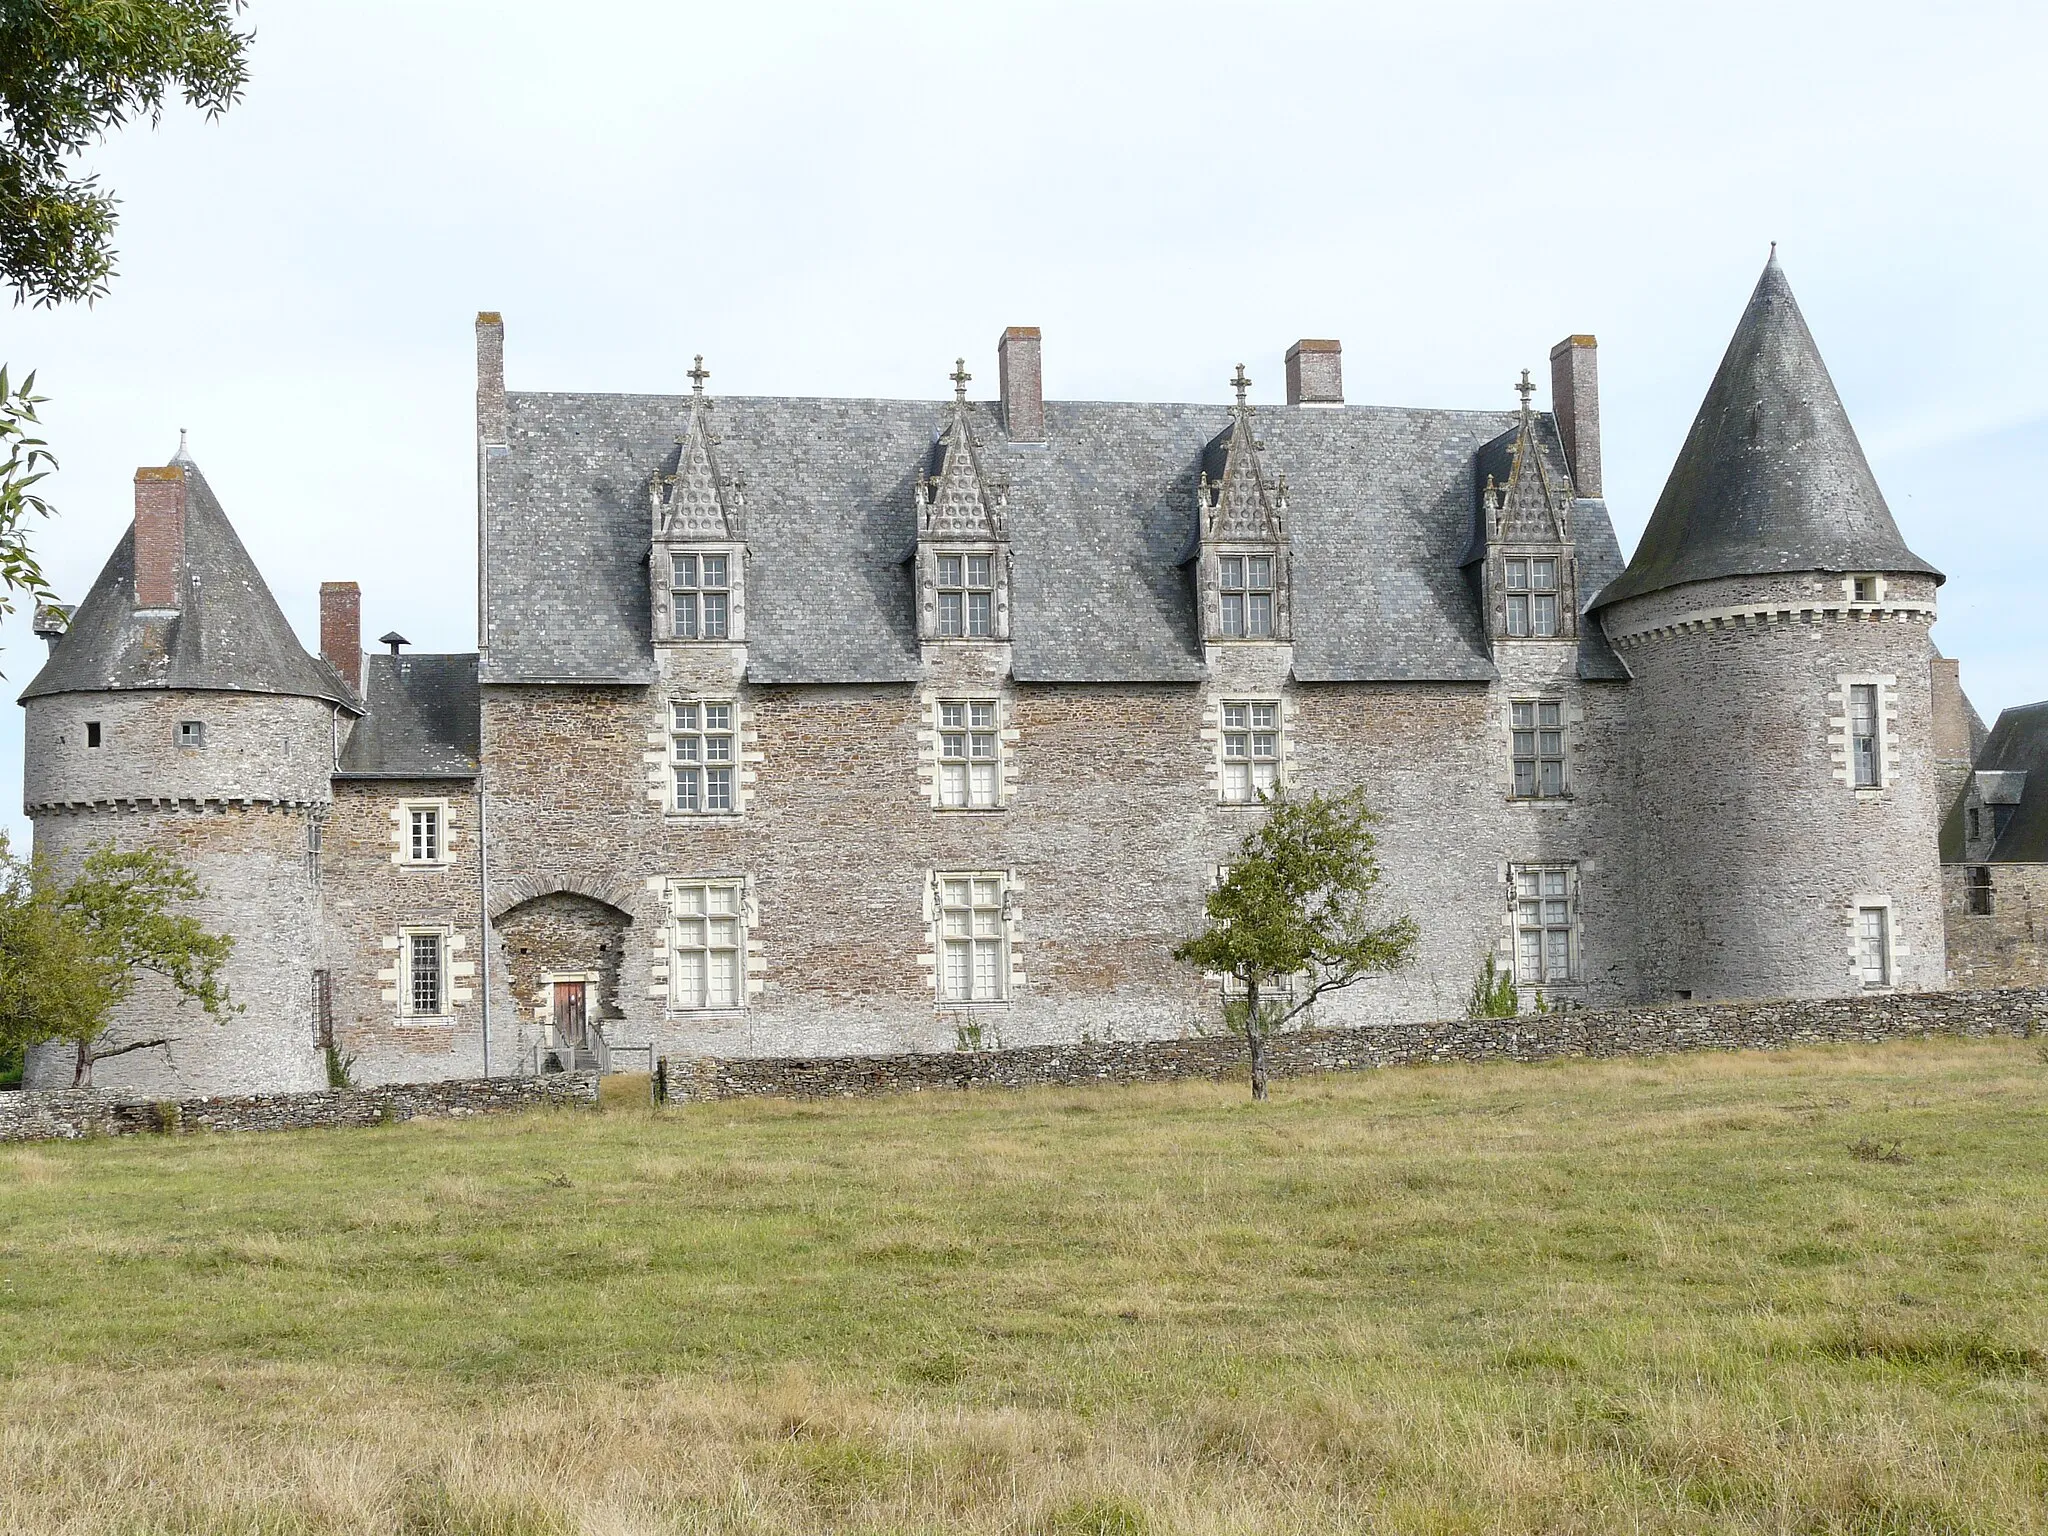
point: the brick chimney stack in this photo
(491, 426)
(160, 538)
(1315, 373)
(341, 629)
(1023, 384)
(1575, 401)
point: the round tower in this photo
(179, 712)
(1776, 627)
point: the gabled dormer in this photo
(1529, 574)
(1243, 571)
(963, 535)
(698, 560)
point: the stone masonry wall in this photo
(1760, 849)
(1542, 1037)
(2008, 947)
(69, 1114)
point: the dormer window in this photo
(700, 596)
(1245, 588)
(967, 596)
(1532, 593)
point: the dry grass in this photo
(1586, 1297)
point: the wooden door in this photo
(569, 1011)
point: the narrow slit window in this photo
(1979, 890)
(1863, 743)
(425, 987)
(968, 763)
(700, 596)
(92, 733)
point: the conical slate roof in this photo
(227, 635)
(1771, 477)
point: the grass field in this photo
(1580, 1297)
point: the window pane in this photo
(1260, 626)
(953, 744)
(1525, 882)
(1237, 781)
(950, 626)
(1232, 573)
(686, 570)
(1518, 615)
(718, 789)
(953, 784)
(717, 717)
(686, 789)
(1553, 743)
(686, 617)
(714, 615)
(982, 716)
(984, 744)
(1259, 573)
(1557, 963)
(714, 570)
(1265, 744)
(1265, 716)
(1262, 777)
(956, 893)
(952, 716)
(979, 608)
(984, 783)
(985, 958)
(689, 990)
(1237, 744)
(1554, 882)
(1525, 777)
(723, 990)
(980, 570)
(1525, 743)
(1553, 778)
(1529, 964)
(1552, 714)
(688, 748)
(955, 983)
(1518, 575)
(1525, 716)
(949, 571)
(1543, 575)
(1234, 716)
(686, 717)
(1233, 615)
(1546, 614)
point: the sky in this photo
(839, 199)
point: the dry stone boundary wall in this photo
(71, 1113)
(1533, 1037)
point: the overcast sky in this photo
(840, 199)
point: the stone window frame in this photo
(752, 968)
(930, 755)
(1564, 760)
(1575, 925)
(1011, 933)
(666, 553)
(1215, 729)
(1895, 949)
(747, 756)
(930, 551)
(1878, 590)
(397, 976)
(190, 735)
(1887, 700)
(401, 833)
(1209, 575)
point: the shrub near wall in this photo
(71, 1113)
(1532, 1037)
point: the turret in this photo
(1776, 626)
(179, 711)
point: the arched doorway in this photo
(563, 956)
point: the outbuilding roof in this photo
(422, 720)
(2013, 768)
(1771, 477)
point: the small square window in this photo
(1864, 589)
(92, 733)
(191, 733)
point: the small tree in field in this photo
(1297, 902)
(72, 951)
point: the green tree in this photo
(71, 72)
(72, 951)
(1294, 915)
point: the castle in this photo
(826, 727)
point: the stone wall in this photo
(69, 1114)
(2007, 946)
(1533, 1037)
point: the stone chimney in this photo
(491, 424)
(160, 538)
(341, 629)
(1575, 401)
(1315, 373)
(1023, 384)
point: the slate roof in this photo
(423, 720)
(2019, 741)
(1771, 477)
(1100, 515)
(227, 635)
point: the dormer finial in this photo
(1241, 384)
(960, 376)
(1525, 389)
(698, 375)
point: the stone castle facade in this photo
(838, 727)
